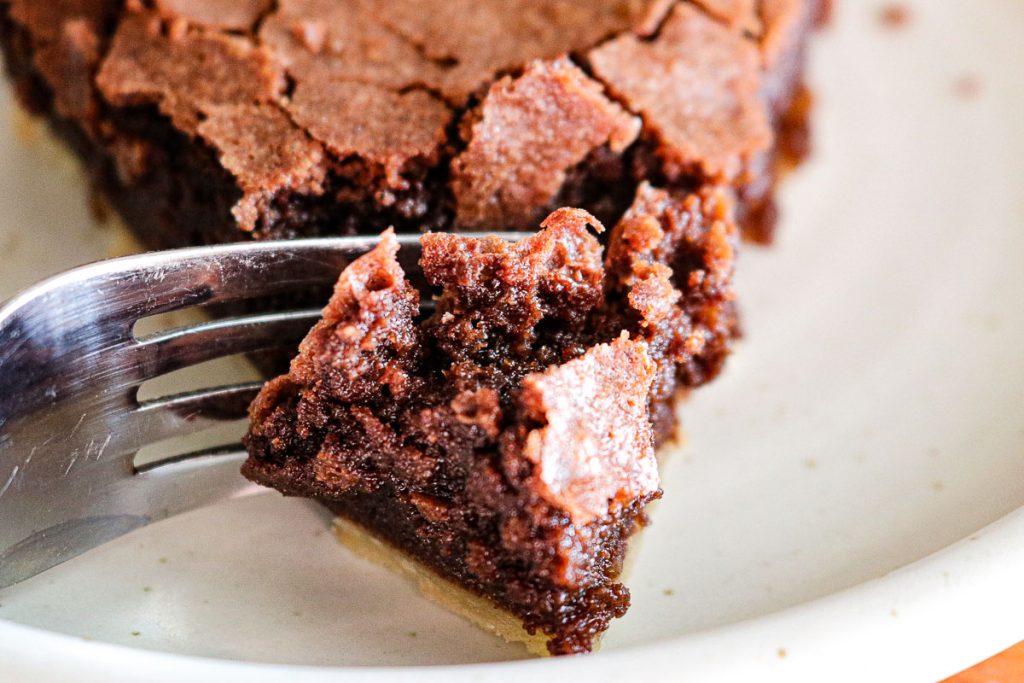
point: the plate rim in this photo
(793, 643)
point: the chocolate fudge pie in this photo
(500, 444)
(209, 121)
(506, 441)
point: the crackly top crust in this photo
(697, 88)
(382, 126)
(238, 15)
(772, 22)
(344, 40)
(782, 20)
(259, 145)
(412, 43)
(185, 71)
(741, 14)
(525, 135)
(67, 39)
(595, 453)
(383, 83)
(495, 37)
(45, 19)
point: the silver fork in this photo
(71, 422)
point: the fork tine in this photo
(153, 283)
(195, 344)
(192, 412)
(189, 481)
(73, 436)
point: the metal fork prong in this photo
(206, 275)
(194, 411)
(135, 287)
(186, 482)
(203, 457)
(195, 344)
(246, 271)
(232, 272)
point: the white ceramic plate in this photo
(844, 509)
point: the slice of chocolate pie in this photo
(504, 444)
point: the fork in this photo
(71, 421)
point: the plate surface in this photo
(844, 506)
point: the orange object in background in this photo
(1005, 667)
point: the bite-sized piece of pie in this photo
(505, 443)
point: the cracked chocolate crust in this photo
(211, 122)
(507, 440)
